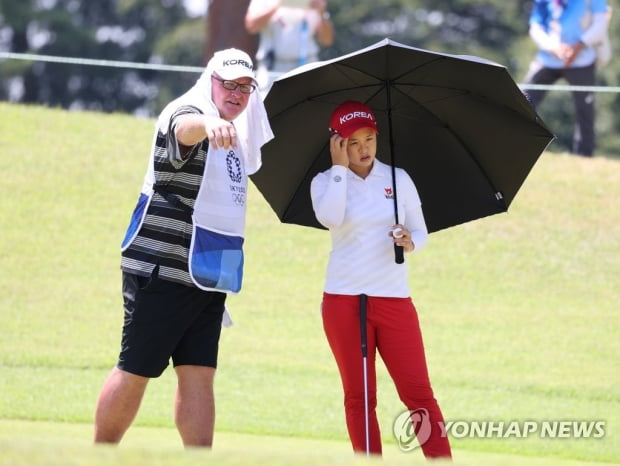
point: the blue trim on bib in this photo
(136, 220)
(217, 260)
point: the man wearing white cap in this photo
(182, 252)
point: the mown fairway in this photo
(519, 313)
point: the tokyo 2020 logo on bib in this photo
(233, 165)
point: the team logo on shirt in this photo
(389, 193)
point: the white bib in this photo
(222, 199)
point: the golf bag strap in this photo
(173, 199)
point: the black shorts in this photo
(164, 320)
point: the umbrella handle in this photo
(399, 256)
(363, 306)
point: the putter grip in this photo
(399, 256)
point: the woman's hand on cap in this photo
(338, 150)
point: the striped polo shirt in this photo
(165, 235)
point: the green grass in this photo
(69, 445)
(519, 312)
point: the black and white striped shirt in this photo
(165, 235)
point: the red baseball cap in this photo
(350, 116)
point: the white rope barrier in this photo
(562, 87)
(108, 63)
(199, 69)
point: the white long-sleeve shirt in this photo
(359, 214)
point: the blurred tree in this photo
(225, 28)
(105, 29)
(493, 29)
(452, 26)
(183, 46)
(160, 31)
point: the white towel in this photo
(252, 125)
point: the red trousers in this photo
(392, 329)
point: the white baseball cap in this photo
(232, 64)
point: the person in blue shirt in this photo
(565, 32)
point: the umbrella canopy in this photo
(459, 125)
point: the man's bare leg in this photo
(195, 405)
(118, 405)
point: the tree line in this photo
(162, 32)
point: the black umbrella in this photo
(459, 125)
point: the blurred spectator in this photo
(566, 32)
(291, 34)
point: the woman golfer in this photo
(354, 200)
